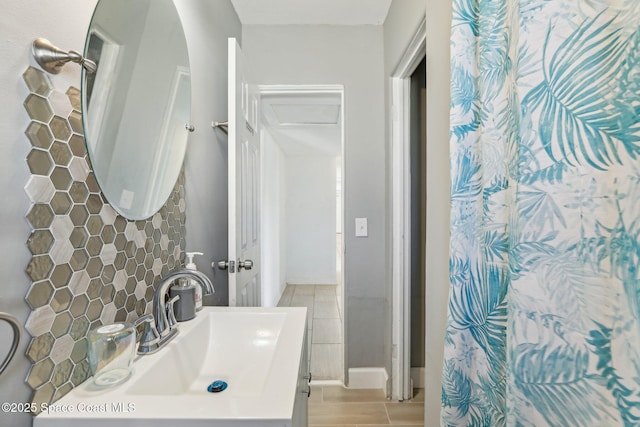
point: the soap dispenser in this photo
(192, 266)
(185, 307)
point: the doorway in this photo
(408, 84)
(418, 226)
(302, 214)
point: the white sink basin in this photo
(255, 350)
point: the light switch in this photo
(361, 227)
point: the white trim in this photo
(232, 181)
(418, 377)
(343, 269)
(321, 383)
(401, 387)
(414, 53)
(299, 89)
(368, 378)
(324, 281)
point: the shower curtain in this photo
(544, 309)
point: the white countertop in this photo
(255, 350)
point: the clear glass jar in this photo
(111, 352)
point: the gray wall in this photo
(208, 24)
(353, 57)
(65, 23)
(438, 199)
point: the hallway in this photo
(324, 326)
(335, 405)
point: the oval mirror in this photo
(137, 104)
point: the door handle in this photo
(224, 265)
(246, 264)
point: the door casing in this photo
(401, 384)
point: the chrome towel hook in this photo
(17, 334)
(224, 126)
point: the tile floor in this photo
(324, 323)
(338, 406)
(334, 405)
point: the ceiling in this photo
(312, 12)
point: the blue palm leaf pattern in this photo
(580, 122)
(550, 174)
(620, 246)
(466, 183)
(556, 381)
(496, 246)
(493, 50)
(543, 323)
(466, 12)
(479, 307)
(540, 207)
(456, 389)
(628, 403)
(526, 255)
(462, 88)
(463, 94)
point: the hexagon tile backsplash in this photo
(89, 265)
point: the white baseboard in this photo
(368, 378)
(327, 383)
(303, 281)
(417, 376)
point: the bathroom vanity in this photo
(260, 353)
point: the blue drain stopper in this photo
(217, 386)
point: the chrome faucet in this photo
(161, 327)
(159, 306)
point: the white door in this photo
(244, 163)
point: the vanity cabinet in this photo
(301, 405)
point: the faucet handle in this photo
(144, 318)
(171, 317)
(150, 336)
